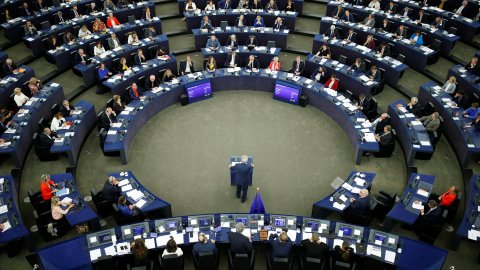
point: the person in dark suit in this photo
(415, 107)
(139, 59)
(298, 66)
(358, 65)
(473, 66)
(9, 67)
(59, 19)
(239, 243)
(391, 8)
(186, 67)
(68, 37)
(151, 83)
(363, 104)
(421, 18)
(29, 29)
(385, 137)
(41, 6)
(405, 13)
(278, 24)
(438, 24)
(386, 26)
(319, 75)
(338, 13)
(380, 123)
(430, 213)
(314, 248)
(135, 92)
(271, 6)
(256, 5)
(332, 33)
(65, 108)
(252, 42)
(384, 49)
(74, 13)
(240, 21)
(359, 206)
(114, 42)
(401, 32)
(252, 63)
(47, 138)
(347, 17)
(225, 4)
(111, 190)
(206, 24)
(25, 10)
(107, 118)
(351, 36)
(359, 3)
(81, 57)
(204, 245)
(242, 175)
(233, 60)
(232, 42)
(462, 9)
(92, 8)
(4, 126)
(374, 74)
(461, 100)
(281, 245)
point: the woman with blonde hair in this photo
(57, 212)
(34, 85)
(123, 65)
(450, 85)
(211, 64)
(58, 122)
(369, 43)
(168, 76)
(19, 97)
(117, 105)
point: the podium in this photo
(234, 159)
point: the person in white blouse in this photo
(98, 49)
(83, 32)
(450, 85)
(374, 4)
(19, 97)
(133, 37)
(58, 122)
(210, 6)
(172, 248)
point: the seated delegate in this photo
(139, 59)
(233, 60)
(351, 36)
(343, 253)
(34, 85)
(281, 245)
(363, 103)
(98, 49)
(81, 57)
(258, 22)
(431, 122)
(127, 210)
(47, 187)
(103, 72)
(9, 67)
(332, 83)
(65, 108)
(359, 206)
(374, 74)
(204, 245)
(136, 93)
(150, 84)
(450, 85)
(271, 6)
(324, 51)
(417, 37)
(111, 191)
(240, 21)
(252, 63)
(314, 247)
(168, 76)
(319, 75)
(141, 256)
(133, 37)
(58, 122)
(186, 67)
(211, 64)
(118, 106)
(47, 138)
(172, 248)
(472, 112)
(275, 64)
(298, 67)
(19, 97)
(446, 198)
(57, 212)
(112, 21)
(232, 42)
(213, 43)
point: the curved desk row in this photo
(63, 57)
(242, 34)
(281, 4)
(464, 140)
(264, 55)
(344, 191)
(411, 134)
(466, 80)
(152, 67)
(9, 199)
(18, 140)
(466, 27)
(416, 56)
(351, 82)
(194, 19)
(149, 203)
(83, 120)
(88, 72)
(80, 252)
(470, 227)
(394, 69)
(34, 42)
(447, 41)
(10, 82)
(14, 29)
(333, 104)
(3, 57)
(85, 215)
(419, 188)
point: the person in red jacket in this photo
(46, 187)
(112, 21)
(446, 198)
(332, 83)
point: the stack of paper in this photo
(150, 243)
(473, 234)
(110, 251)
(134, 194)
(126, 188)
(3, 209)
(292, 234)
(390, 256)
(95, 254)
(338, 206)
(140, 203)
(123, 182)
(374, 250)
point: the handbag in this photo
(83, 228)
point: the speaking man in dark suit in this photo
(204, 245)
(9, 67)
(111, 190)
(47, 138)
(351, 36)
(81, 57)
(243, 171)
(338, 13)
(25, 10)
(360, 205)
(233, 60)
(239, 243)
(281, 245)
(297, 67)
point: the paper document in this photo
(162, 240)
(417, 206)
(416, 123)
(94, 254)
(66, 200)
(422, 192)
(3, 209)
(425, 143)
(292, 234)
(306, 235)
(373, 250)
(355, 190)
(117, 125)
(359, 181)
(140, 203)
(390, 256)
(150, 243)
(111, 132)
(338, 206)
(347, 186)
(370, 137)
(126, 188)
(123, 182)
(110, 251)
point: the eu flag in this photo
(257, 205)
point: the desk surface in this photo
(465, 80)
(13, 81)
(264, 55)
(75, 253)
(11, 197)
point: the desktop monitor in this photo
(286, 92)
(137, 230)
(204, 222)
(198, 91)
(171, 225)
(243, 220)
(280, 222)
(347, 231)
(104, 238)
(313, 225)
(76, 201)
(380, 237)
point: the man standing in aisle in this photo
(243, 171)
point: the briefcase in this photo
(263, 235)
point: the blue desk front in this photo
(465, 80)
(464, 140)
(73, 136)
(9, 197)
(35, 42)
(194, 20)
(281, 4)
(3, 57)
(447, 42)
(237, 159)
(75, 254)
(88, 71)
(351, 82)
(13, 81)
(153, 67)
(359, 180)
(14, 30)
(403, 211)
(222, 80)
(157, 208)
(86, 214)
(401, 121)
(20, 140)
(472, 213)
(62, 58)
(414, 56)
(242, 35)
(393, 69)
(264, 57)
